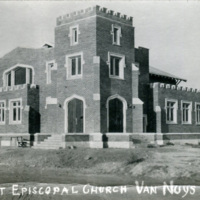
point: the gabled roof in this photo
(158, 72)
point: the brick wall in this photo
(111, 86)
(159, 93)
(37, 59)
(142, 57)
(17, 128)
(30, 110)
(83, 87)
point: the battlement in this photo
(96, 10)
(174, 87)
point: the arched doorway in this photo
(115, 115)
(116, 109)
(74, 114)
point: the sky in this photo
(170, 30)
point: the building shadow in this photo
(105, 141)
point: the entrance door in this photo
(75, 116)
(115, 115)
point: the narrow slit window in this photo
(198, 113)
(2, 112)
(76, 66)
(114, 66)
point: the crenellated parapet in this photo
(174, 87)
(16, 87)
(91, 11)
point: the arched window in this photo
(18, 75)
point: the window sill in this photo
(171, 123)
(116, 77)
(15, 123)
(115, 44)
(74, 77)
(186, 123)
(2, 123)
(74, 44)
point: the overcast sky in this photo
(171, 30)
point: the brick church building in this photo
(92, 83)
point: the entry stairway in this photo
(52, 142)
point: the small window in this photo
(171, 111)
(8, 77)
(74, 33)
(197, 109)
(50, 66)
(116, 64)
(116, 34)
(15, 112)
(186, 112)
(74, 65)
(2, 112)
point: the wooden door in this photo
(115, 115)
(75, 116)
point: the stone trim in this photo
(12, 78)
(116, 96)
(10, 111)
(65, 107)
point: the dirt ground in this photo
(28, 167)
(101, 166)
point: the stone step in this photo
(46, 147)
(52, 142)
(50, 139)
(47, 141)
(47, 144)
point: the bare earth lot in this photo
(101, 167)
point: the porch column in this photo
(158, 119)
